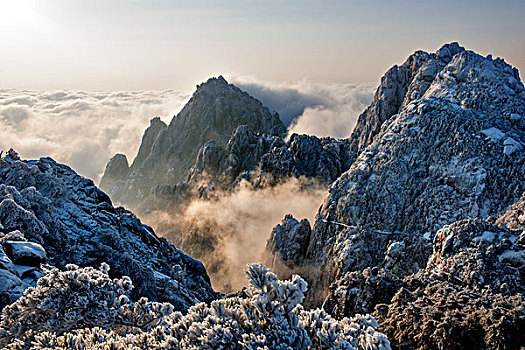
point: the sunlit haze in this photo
(160, 44)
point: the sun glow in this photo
(17, 15)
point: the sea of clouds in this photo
(308, 107)
(83, 129)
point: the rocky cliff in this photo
(50, 214)
(442, 141)
(167, 152)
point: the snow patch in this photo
(511, 146)
(486, 236)
(494, 134)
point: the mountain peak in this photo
(449, 50)
(220, 79)
(167, 153)
(214, 81)
(453, 122)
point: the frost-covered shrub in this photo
(358, 332)
(85, 309)
(77, 298)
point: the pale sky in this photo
(161, 44)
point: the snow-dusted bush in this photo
(77, 298)
(86, 309)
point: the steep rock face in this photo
(76, 223)
(450, 148)
(167, 153)
(116, 170)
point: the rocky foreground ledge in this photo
(50, 214)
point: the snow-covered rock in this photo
(494, 134)
(410, 222)
(511, 146)
(66, 218)
(25, 253)
(428, 152)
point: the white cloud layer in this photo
(321, 109)
(81, 129)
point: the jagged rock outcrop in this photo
(20, 263)
(288, 242)
(167, 153)
(47, 211)
(255, 157)
(442, 141)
